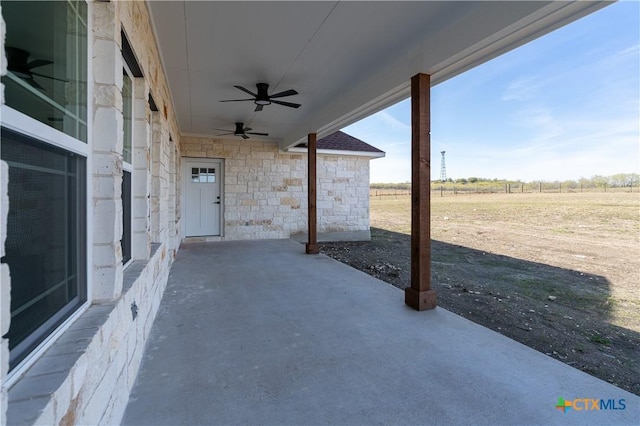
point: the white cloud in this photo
(522, 89)
(631, 51)
(390, 120)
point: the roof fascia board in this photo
(545, 20)
(367, 154)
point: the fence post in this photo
(539, 186)
(441, 191)
(560, 185)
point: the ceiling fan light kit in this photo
(261, 98)
(241, 131)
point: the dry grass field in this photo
(557, 272)
(593, 233)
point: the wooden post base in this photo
(420, 300)
(312, 248)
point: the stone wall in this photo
(86, 376)
(84, 373)
(265, 191)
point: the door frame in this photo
(186, 176)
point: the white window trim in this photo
(14, 375)
(22, 123)
(128, 166)
(19, 122)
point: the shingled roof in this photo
(340, 141)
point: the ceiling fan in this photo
(17, 64)
(241, 131)
(263, 98)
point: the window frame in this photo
(73, 113)
(33, 340)
(127, 167)
(21, 123)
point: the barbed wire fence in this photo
(507, 188)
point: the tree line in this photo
(619, 180)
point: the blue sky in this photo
(564, 106)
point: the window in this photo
(46, 50)
(45, 246)
(202, 175)
(127, 167)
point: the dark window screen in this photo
(126, 217)
(45, 246)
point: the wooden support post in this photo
(420, 296)
(312, 246)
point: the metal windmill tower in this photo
(443, 168)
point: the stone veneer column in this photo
(140, 238)
(171, 225)
(156, 147)
(5, 278)
(178, 192)
(164, 182)
(106, 143)
(161, 148)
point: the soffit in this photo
(347, 60)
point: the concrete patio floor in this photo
(257, 332)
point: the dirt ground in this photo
(559, 273)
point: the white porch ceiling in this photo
(347, 60)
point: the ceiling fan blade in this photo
(37, 63)
(49, 77)
(245, 137)
(259, 108)
(225, 134)
(236, 100)
(34, 83)
(283, 94)
(246, 90)
(222, 130)
(289, 104)
(246, 129)
(258, 134)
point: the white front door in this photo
(203, 199)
